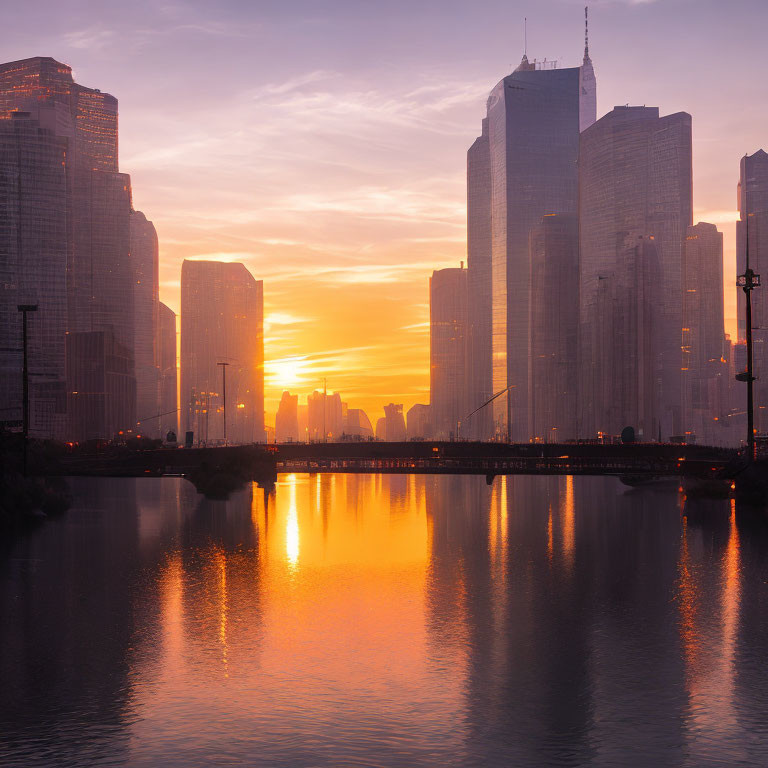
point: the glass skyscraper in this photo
(534, 117)
(635, 199)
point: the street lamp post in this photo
(748, 282)
(224, 393)
(24, 309)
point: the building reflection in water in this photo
(420, 619)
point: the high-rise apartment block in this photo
(222, 322)
(448, 351)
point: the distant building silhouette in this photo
(287, 419)
(146, 313)
(34, 250)
(704, 365)
(753, 202)
(448, 351)
(418, 424)
(166, 345)
(394, 423)
(357, 423)
(325, 419)
(635, 207)
(553, 328)
(533, 120)
(222, 320)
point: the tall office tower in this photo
(357, 423)
(222, 321)
(553, 327)
(418, 422)
(166, 346)
(146, 318)
(478, 359)
(33, 270)
(703, 333)
(447, 351)
(634, 182)
(99, 280)
(753, 204)
(394, 423)
(287, 419)
(534, 117)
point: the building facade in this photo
(33, 270)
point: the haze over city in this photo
(323, 145)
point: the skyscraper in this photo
(222, 321)
(553, 327)
(166, 345)
(479, 290)
(534, 117)
(635, 205)
(33, 270)
(99, 276)
(753, 207)
(146, 318)
(447, 351)
(703, 334)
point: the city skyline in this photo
(378, 241)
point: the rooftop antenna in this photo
(525, 36)
(586, 32)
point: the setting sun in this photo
(287, 372)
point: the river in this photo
(385, 620)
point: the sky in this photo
(323, 144)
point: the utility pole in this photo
(748, 282)
(224, 393)
(24, 308)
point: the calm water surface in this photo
(368, 620)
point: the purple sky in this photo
(323, 143)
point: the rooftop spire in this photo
(525, 36)
(586, 33)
